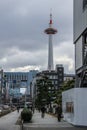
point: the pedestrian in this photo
(43, 110)
(33, 109)
(18, 107)
(59, 112)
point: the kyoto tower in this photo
(50, 31)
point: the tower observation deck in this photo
(50, 31)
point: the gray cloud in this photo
(22, 25)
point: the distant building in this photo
(68, 77)
(1, 78)
(1, 84)
(17, 80)
(56, 76)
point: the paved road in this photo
(8, 121)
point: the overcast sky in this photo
(23, 44)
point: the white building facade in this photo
(74, 101)
(80, 39)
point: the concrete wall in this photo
(80, 18)
(78, 98)
(78, 53)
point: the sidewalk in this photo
(48, 121)
(8, 121)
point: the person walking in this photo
(59, 112)
(18, 107)
(43, 110)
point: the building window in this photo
(84, 4)
(56, 87)
(56, 82)
(60, 80)
(84, 44)
(60, 74)
(60, 69)
(53, 76)
(85, 38)
(53, 82)
(69, 107)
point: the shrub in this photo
(26, 115)
(4, 112)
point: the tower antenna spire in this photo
(51, 16)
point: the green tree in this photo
(45, 91)
(65, 86)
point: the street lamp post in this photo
(25, 99)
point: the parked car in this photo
(1, 108)
(6, 107)
(13, 108)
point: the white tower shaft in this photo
(50, 54)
